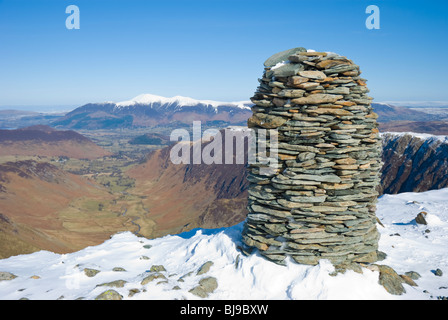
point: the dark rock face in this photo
(413, 164)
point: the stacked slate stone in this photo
(320, 203)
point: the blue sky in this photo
(211, 49)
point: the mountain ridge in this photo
(151, 99)
(151, 110)
(42, 140)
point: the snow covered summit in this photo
(180, 101)
(148, 110)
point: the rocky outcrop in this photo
(320, 201)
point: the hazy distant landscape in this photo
(420, 119)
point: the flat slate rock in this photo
(282, 56)
(287, 70)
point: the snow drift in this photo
(178, 258)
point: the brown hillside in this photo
(181, 197)
(48, 142)
(45, 208)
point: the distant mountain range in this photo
(151, 110)
(148, 110)
(389, 112)
(13, 119)
(393, 118)
(430, 127)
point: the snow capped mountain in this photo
(175, 266)
(147, 110)
(152, 110)
(179, 101)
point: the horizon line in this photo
(69, 107)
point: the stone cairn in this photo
(320, 203)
